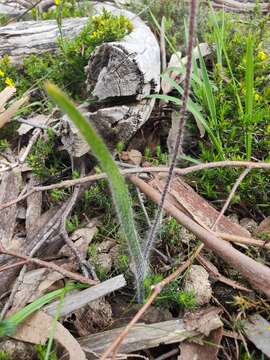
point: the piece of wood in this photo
(130, 67)
(9, 189)
(115, 124)
(191, 203)
(20, 39)
(145, 336)
(122, 72)
(76, 300)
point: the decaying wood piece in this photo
(126, 71)
(76, 300)
(10, 188)
(34, 205)
(144, 336)
(20, 39)
(114, 124)
(191, 203)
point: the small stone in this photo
(249, 224)
(198, 283)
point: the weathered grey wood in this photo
(240, 5)
(79, 299)
(143, 336)
(9, 189)
(24, 38)
(114, 124)
(126, 68)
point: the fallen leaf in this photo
(34, 285)
(37, 328)
(257, 330)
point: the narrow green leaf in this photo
(249, 86)
(122, 199)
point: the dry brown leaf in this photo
(11, 111)
(34, 285)
(36, 330)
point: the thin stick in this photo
(182, 119)
(243, 240)
(50, 265)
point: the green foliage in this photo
(230, 99)
(4, 355)
(169, 231)
(171, 296)
(67, 67)
(240, 90)
(72, 223)
(4, 145)
(43, 159)
(120, 193)
(187, 300)
(156, 159)
(41, 353)
(57, 195)
(68, 9)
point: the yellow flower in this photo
(57, 2)
(9, 81)
(2, 74)
(257, 97)
(268, 129)
(262, 56)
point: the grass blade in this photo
(120, 193)
(249, 85)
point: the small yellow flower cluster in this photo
(262, 56)
(57, 2)
(8, 81)
(257, 97)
